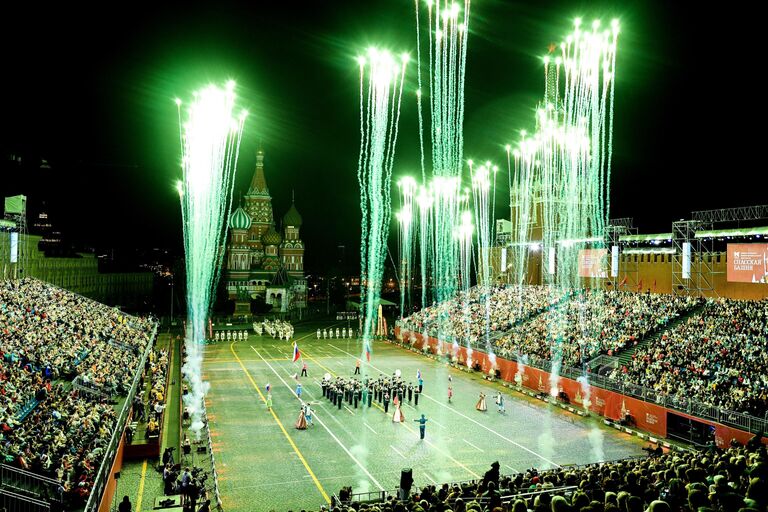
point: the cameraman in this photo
(169, 480)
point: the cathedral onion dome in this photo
(240, 220)
(271, 237)
(292, 218)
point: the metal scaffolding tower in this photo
(744, 213)
(692, 262)
(628, 271)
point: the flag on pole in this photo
(418, 374)
(269, 386)
(296, 353)
(367, 351)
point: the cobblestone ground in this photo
(265, 463)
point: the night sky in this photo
(92, 92)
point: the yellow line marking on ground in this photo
(140, 498)
(407, 427)
(256, 360)
(280, 424)
(320, 421)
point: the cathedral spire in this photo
(259, 182)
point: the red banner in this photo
(593, 263)
(615, 406)
(747, 263)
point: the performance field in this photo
(265, 463)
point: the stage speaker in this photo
(406, 479)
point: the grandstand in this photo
(70, 368)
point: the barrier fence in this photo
(382, 496)
(216, 492)
(683, 404)
(10, 500)
(102, 476)
(26, 487)
(26, 491)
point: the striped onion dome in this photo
(240, 220)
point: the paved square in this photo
(265, 463)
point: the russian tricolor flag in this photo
(296, 353)
(418, 374)
(367, 351)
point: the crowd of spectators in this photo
(718, 357)
(732, 480)
(49, 336)
(591, 323)
(549, 323)
(498, 308)
(158, 371)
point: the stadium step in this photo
(625, 356)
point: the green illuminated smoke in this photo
(447, 27)
(210, 143)
(562, 171)
(405, 223)
(380, 97)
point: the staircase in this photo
(625, 355)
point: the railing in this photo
(216, 492)
(29, 486)
(683, 404)
(79, 384)
(604, 361)
(377, 496)
(382, 496)
(600, 463)
(26, 409)
(102, 476)
(119, 344)
(567, 490)
(370, 497)
(10, 500)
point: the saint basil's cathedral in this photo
(264, 260)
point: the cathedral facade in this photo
(264, 259)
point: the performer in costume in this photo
(397, 416)
(301, 423)
(500, 402)
(422, 425)
(308, 413)
(450, 393)
(269, 401)
(481, 403)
